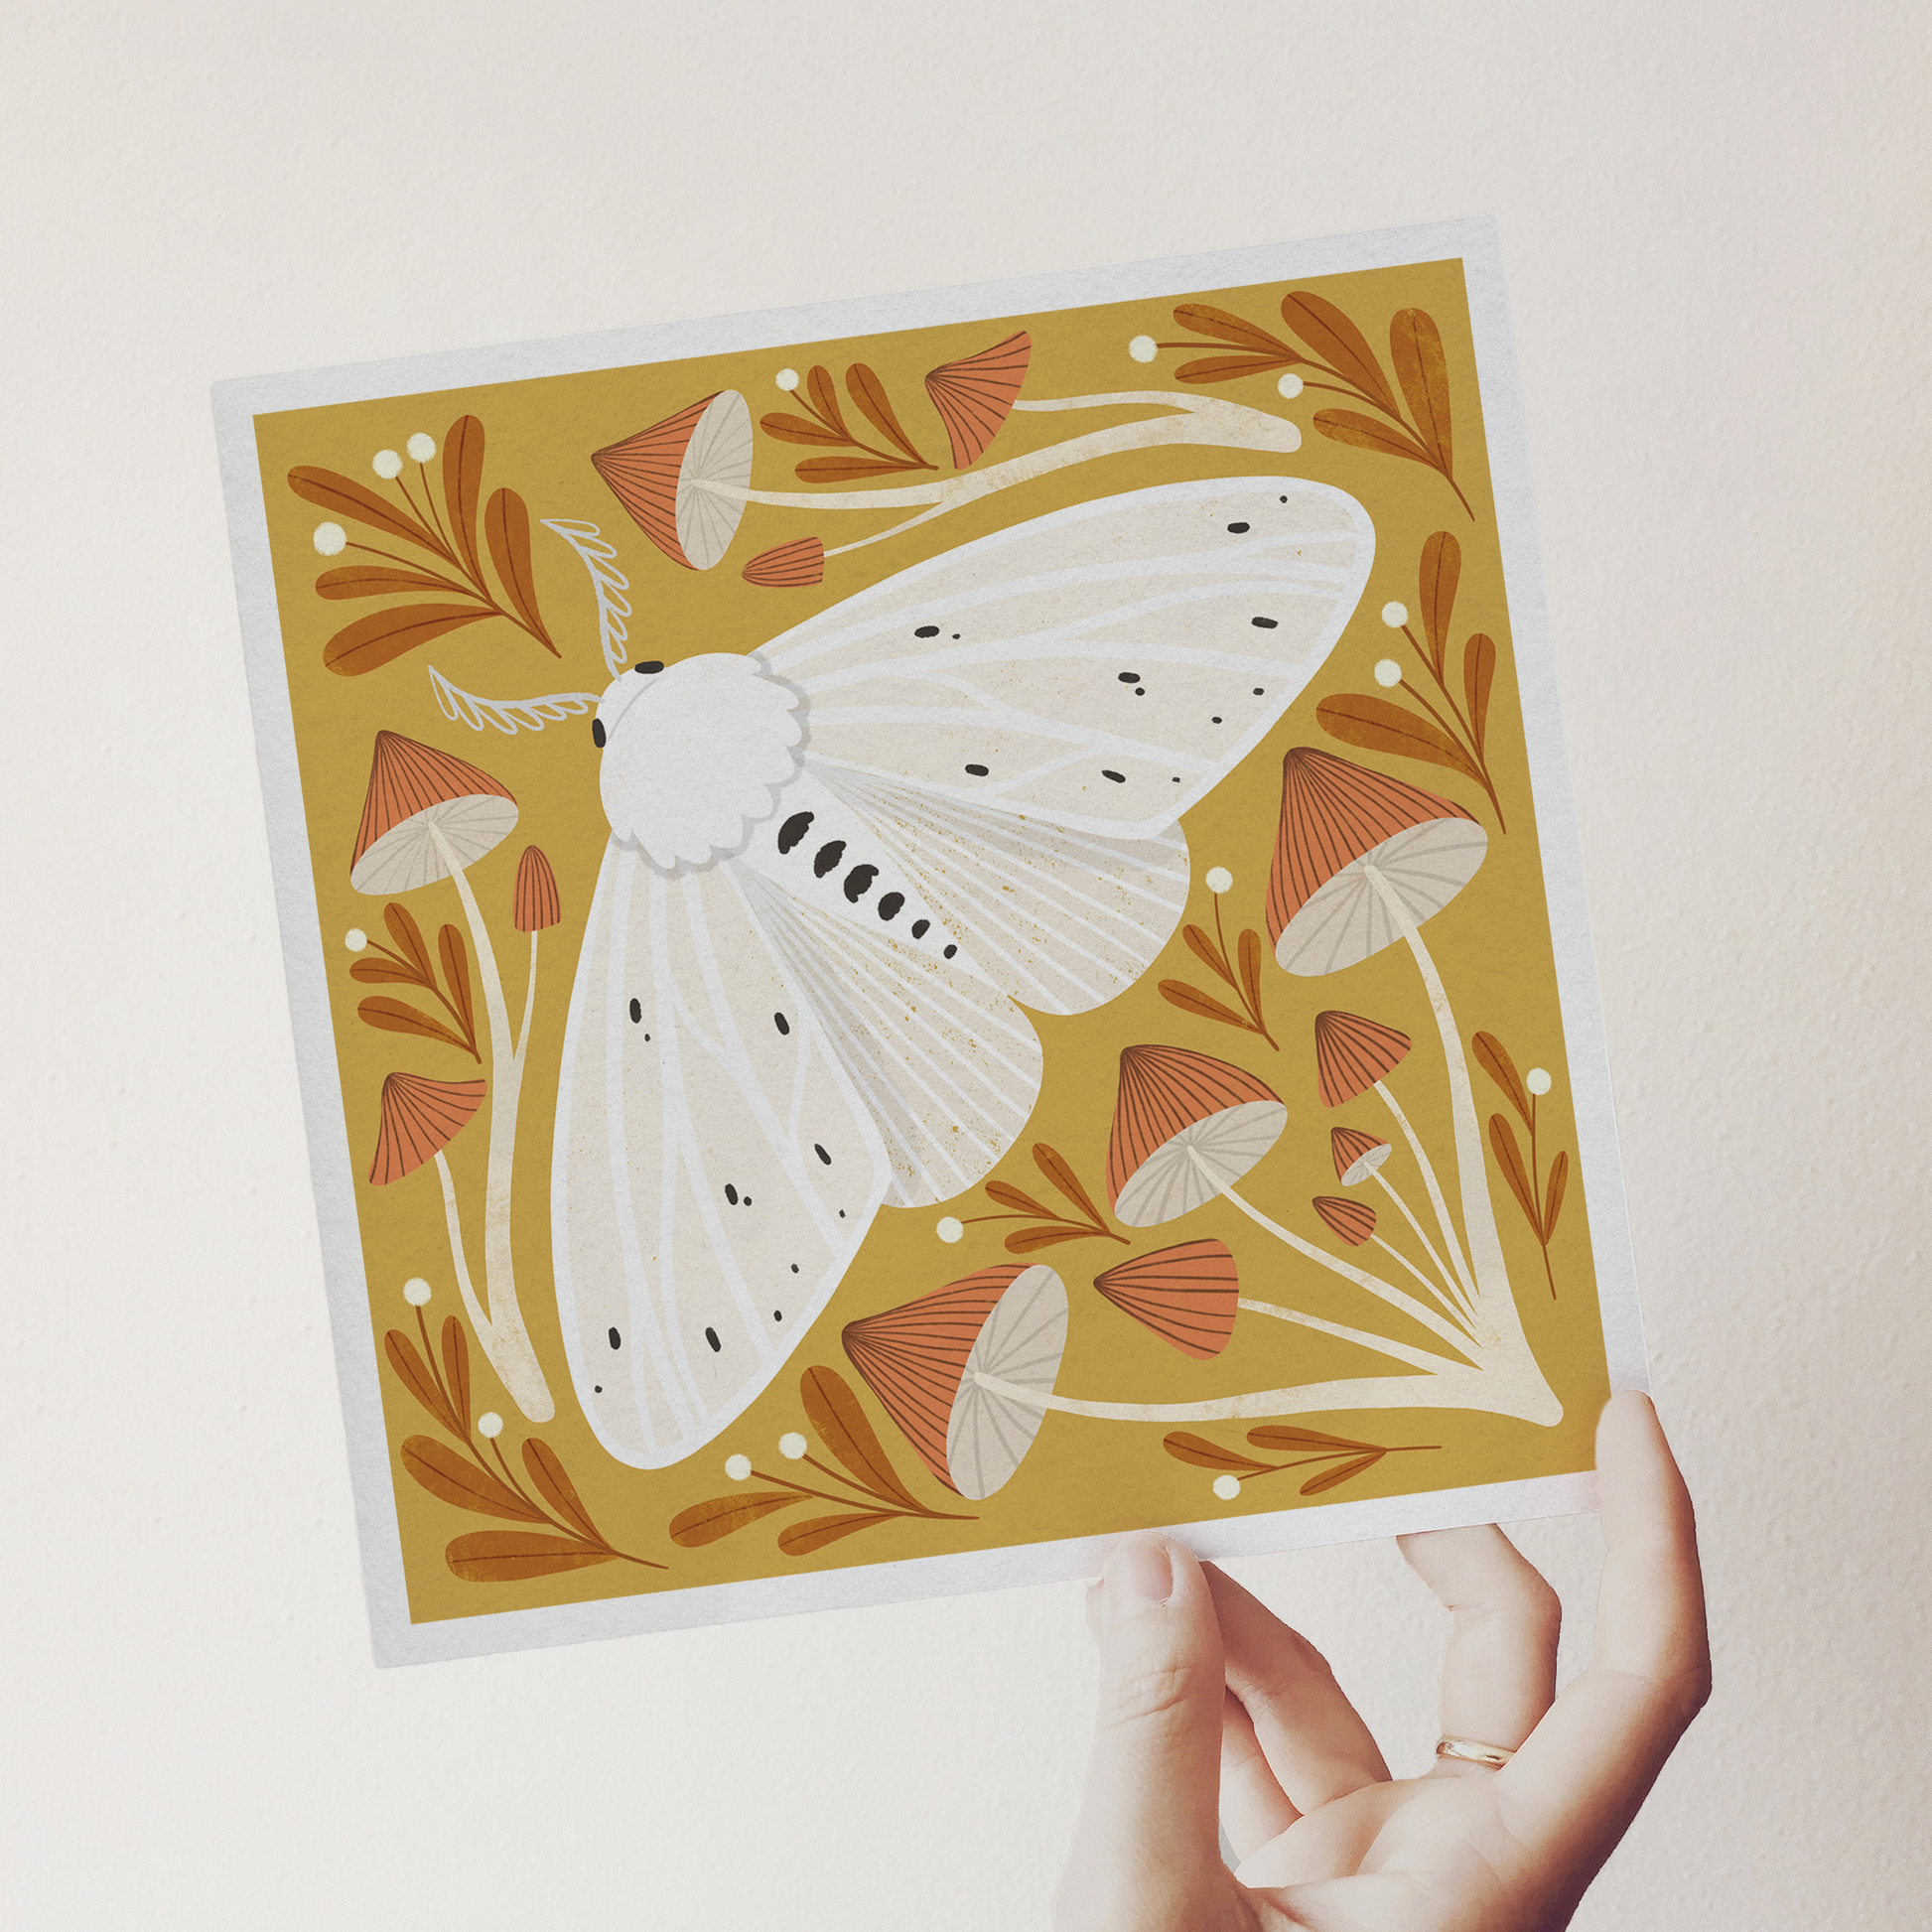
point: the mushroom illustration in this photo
(427, 817)
(1360, 1156)
(419, 1119)
(1186, 1128)
(534, 910)
(1188, 1295)
(687, 481)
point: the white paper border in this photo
(396, 1640)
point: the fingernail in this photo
(1138, 1577)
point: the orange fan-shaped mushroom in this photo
(1353, 1054)
(537, 908)
(1185, 1295)
(420, 1118)
(1186, 1126)
(1348, 1220)
(424, 808)
(792, 566)
(683, 479)
(975, 395)
(1356, 1155)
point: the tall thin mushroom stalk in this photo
(686, 482)
(427, 817)
(420, 1118)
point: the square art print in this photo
(926, 930)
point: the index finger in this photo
(1587, 1767)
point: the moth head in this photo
(693, 754)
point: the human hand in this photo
(1207, 1696)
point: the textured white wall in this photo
(1715, 224)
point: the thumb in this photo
(1149, 1834)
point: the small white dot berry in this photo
(489, 1423)
(421, 447)
(330, 539)
(788, 379)
(1143, 348)
(388, 464)
(1388, 672)
(1395, 615)
(355, 938)
(738, 1467)
(1290, 385)
(415, 1291)
(1227, 1488)
(1220, 878)
(791, 1445)
(950, 1228)
(1537, 1080)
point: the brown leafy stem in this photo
(1246, 982)
(834, 1412)
(1458, 740)
(440, 1383)
(1352, 1459)
(1540, 1202)
(1052, 1226)
(824, 426)
(410, 966)
(1414, 348)
(372, 641)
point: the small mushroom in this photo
(1348, 1220)
(534, 910)
(975, 395)
(1360, 1156)
(1188, 1295)
(684, 480)
(419, 1118)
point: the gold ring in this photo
(1473, 1753)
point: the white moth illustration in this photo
(837, 870)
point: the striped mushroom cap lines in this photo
(1187, 1294)
(683, 481)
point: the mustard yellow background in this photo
(1492, 944)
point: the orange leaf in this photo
(392, 1016)
(1278, 1436)
(456, 1368)
(1365, 432)
(507, 523)
(799, 429)
(452, 1479)
(1026, 1241)
(1248, 949)
(1205, 1455)
(805, 1539)
(455, 970)
(1416, 348)
(825, 400)
(1005, 1197)
(383, 972)
(378, 579)
(413, 1374)
(463, 458)
(1441, 570)
(1226, 327)
(792, 566)
(1494, 1057)
(384, 635)
(408, 937)
(1338, 340)
(556, 1488)
(1054, 1166)
(337, 495)
(1206, 952)
(834, 1411)
(869, 393)
(1230, 369)
(1478, 673)
(1191, 999)
(1334, 1478)
(848, 468)
(1509, 1157)
(1552, 1202)
(1378, 726)
(511, 1556)
(705, 1523)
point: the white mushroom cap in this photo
(1022, 1342)
(1187, 1172)
(1348, 919)
(659, 475)
(1186, 1126)
(413, 788)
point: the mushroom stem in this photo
(1522, 1393)
(1449, 1302)
(1208, 420)
(1450, 1281)
(504, 1338)
(1450, 1238)
(1398, 1352)
(457, 1259)
(529, 1005)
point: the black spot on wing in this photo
(1265, 624)
(858, 883)
(827, 858)
(921, 927)
(1119, 778)
(822, 1154)
(716, 1347)
(793, 830)
(976, 771)
(890, 906)
(781, 1023)
(617, 1340)
(926, 631)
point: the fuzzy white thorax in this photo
(694, 753)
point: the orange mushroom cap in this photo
(420, 1118)
(921, 1360)
(1353, 1054)
(1353, 1221)
(658, 477)
(1325, 913)
(1356, 1155)
(792, 566)
(1186, 1126)
(1185, 1295)
(536, 906)
(412, 788)
(975, 395)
